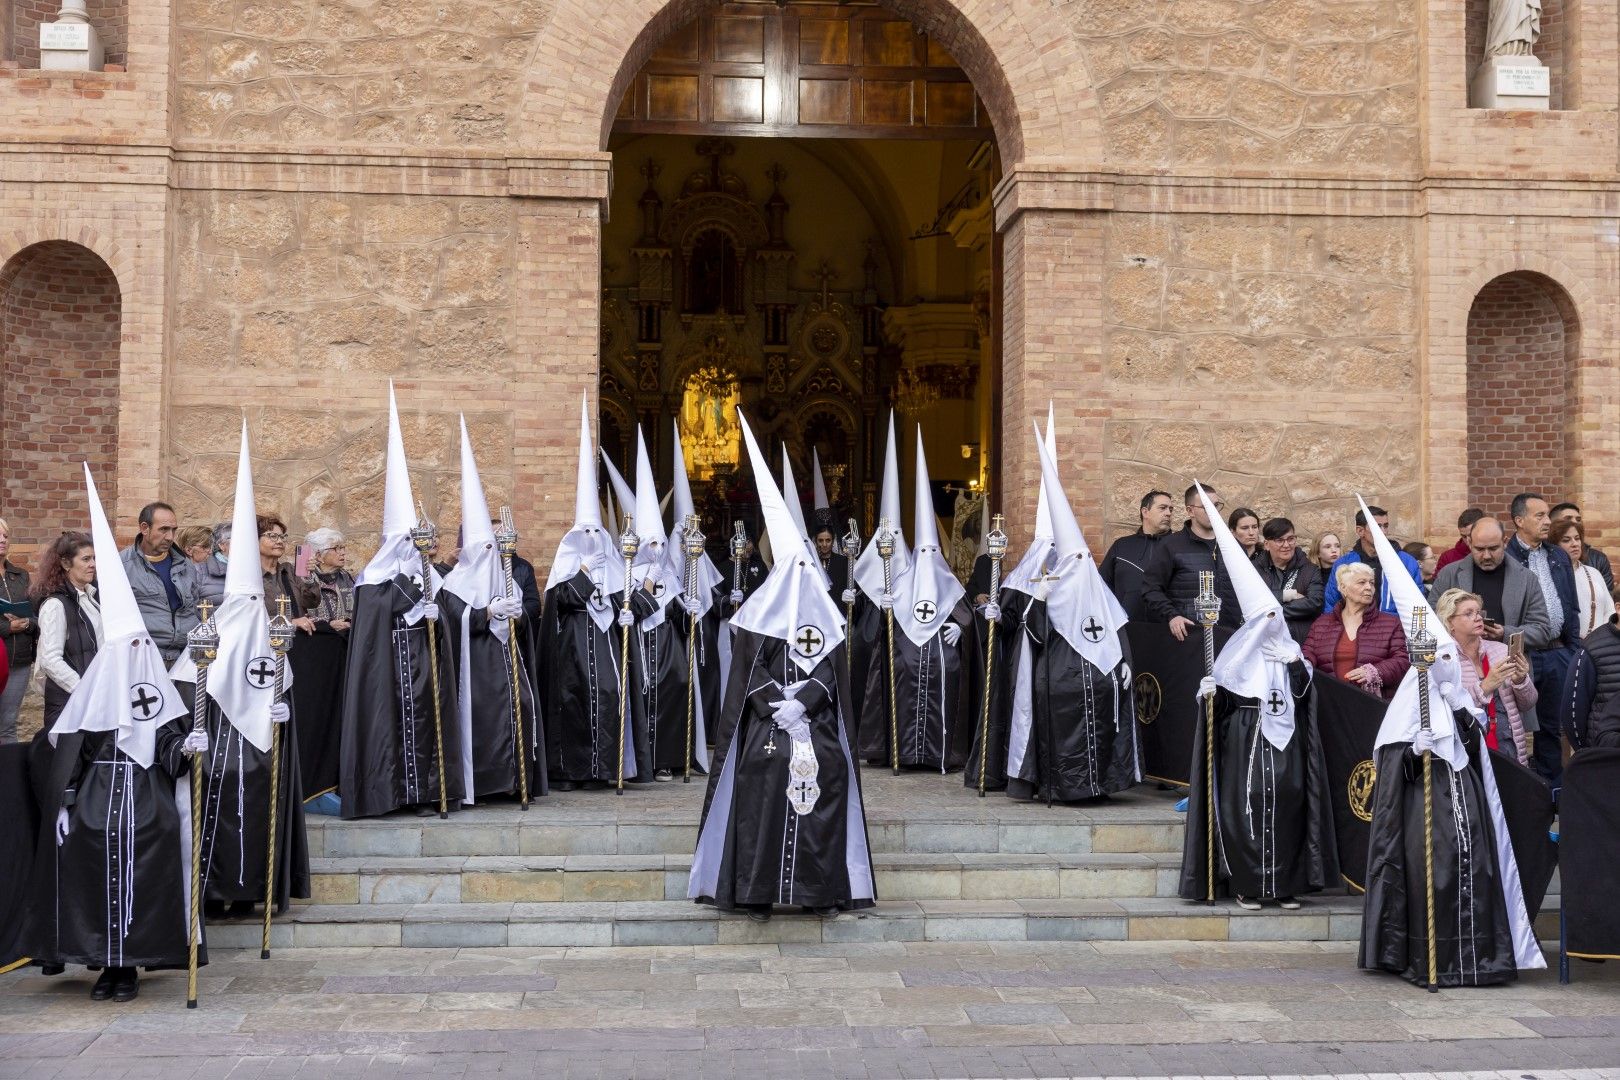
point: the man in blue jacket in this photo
(1549, 564)
(1363, 552)
(163, 579)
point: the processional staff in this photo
(885, 546)
(692, 542)
(1421, 649)
(422, 539)
(629, 544)
(995, 543)
(506, 539)
(203, 644)
(281, 631)
(1208, 609)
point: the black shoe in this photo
(128, 985)
(425, 810)
(563, 785)
(213, 909)
(51, 969)
(663, 775)
(104, 985)
(240, 909)
(760, 913)
(827, 912)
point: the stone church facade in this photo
(1266, 242)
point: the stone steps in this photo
(374, 880)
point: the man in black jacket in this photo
(1170, 583)
(1128, 558)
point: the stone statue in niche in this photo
(1509, 75)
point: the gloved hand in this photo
(1423, 742)
(690, 603)
(430, 612)
(626, 617)
(505, 607)
(1282, 651)
(737, 596)
(849, 596)
(992, 612)
(886, 601)
(196, 743)
(594, 562)
(1206, 687)
(279, 713)
(790, 717)
(952, 633)
(61, 826)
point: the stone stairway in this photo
(594, 869)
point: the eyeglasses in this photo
(1286, 540)
(274, 538)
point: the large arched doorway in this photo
(60, 316)
(801, 224)
(1523, 353)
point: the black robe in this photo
(659, 677)
(935, 705)
(1082, 737)
(236, 814)
(1473, 939)
(389, 747)
(580, 662)
(19, 835)
(318, 661)
(1280, 796)
(113, 893)
(1010, 643)
(765, 851)
(489, 668)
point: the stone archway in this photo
(61, 312)
(1523, 349)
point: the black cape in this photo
(1010, 643)
(318, 661)
(488, 671)
(1275, 835)
(1082, 730)
(660, 676)
(1589, 843)
(753, 847)
(1474, 937)
(389, 748)
(935, 703)
(580, 664)
(19, 831)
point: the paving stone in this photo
(1010, 884)
(453, 934)
(1100, 928)
(374, 840)
(1044, 839)
(454, 838)
(613, 886)
(665, 933)
(522, 886)
(412, 888)
(568, 839)
(560, 932)
(950, 836)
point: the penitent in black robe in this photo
(753, 846)
(1010, 645)
(659, 677)
(935, 704)
(318, 660)
(488, 672)
(1275, 835)
(389, 745)
(113, 893)
(236, 814)
(1474, 937)
(1079, 741)
(580, 662)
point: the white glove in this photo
(594, 562)
(737, 596)
(849, 596)
(430, 612)
(1283, 652)
(61, 826)
(279, 713)
(626, 617)
(1206, 687)
(1290, 595)
(952, 633)
(690, 603)
(196, 743)
(992, 612)
(790, 717)
(505, 607)
(1423, 743)
(886, 602)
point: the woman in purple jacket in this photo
(1355, 641)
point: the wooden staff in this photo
(1208, 609)
(203, 643)
(1421, 649)
(506, 541)
(996, 545)
(422, 538)
(692, 541)
(281, 630)
(885, 543)
(629, 544)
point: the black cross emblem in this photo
(596, 598)
(809, 640)
(924, 611)
(260, 672)
(1093, 630)
(144, 700)
(1274, 703)
(659, 588)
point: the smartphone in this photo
(301, 560)
(1516, 645)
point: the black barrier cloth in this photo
(318, 662)
(1527, 804)
(1589, 842)
(1347, 721)
(1166, 673)
(19, 829)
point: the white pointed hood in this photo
(1243, 666)
(652, 557)
(791, 604)
(588, 537)
(1038, 556)
(819, 478)
(621, 500)
(479, 575)
(241, 679)
(396, 554)
(869, 567)
(790, 496)
(928, 590)
(708, 576)
(125, 688)
(1079, 604)
(1403, 717)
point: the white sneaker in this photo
(1247, 904)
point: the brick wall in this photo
(59, 344)
(109, 17)
(1519, 351)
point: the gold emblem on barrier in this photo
(1359, 789)
(1149, 697)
